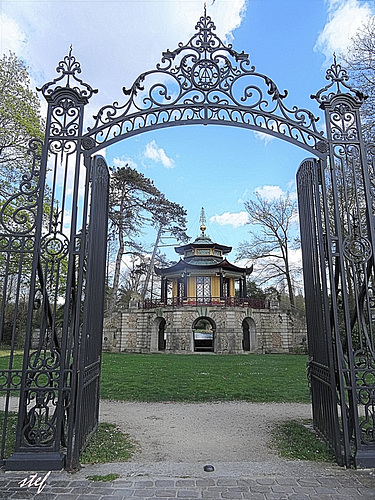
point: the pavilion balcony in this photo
(207, 301)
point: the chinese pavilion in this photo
(203, 275)
(203, 307)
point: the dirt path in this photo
(211, 432)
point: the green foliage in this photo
(10, 438)
(135, 202)
(203, 378)
(254, 291)
(294, 440)
(20, 120)
(108, 444)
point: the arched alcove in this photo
(158, 335)
(204, 330)
(249, 335)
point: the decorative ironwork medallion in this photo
(357, 249)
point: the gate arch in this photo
(202, 82)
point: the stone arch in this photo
(249, 335)
(158, 335)
(204, 334)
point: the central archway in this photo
(204, 331)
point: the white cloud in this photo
(270, 192)
(261, 137)
(345, 17)
(231, 219)
(12, 38)
(112, 61)
(158, 155)
(123, 162)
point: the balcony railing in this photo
(207, 301)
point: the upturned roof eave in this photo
(185, 266)
(181, 249)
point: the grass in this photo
(108, 444)
(199, 377)
(295, 440)
(4, 359)
(105, 479)
(10, 437)
(204, 378)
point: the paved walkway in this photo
(237, 480)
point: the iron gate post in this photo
(350, 248)
(50, 367)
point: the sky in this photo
(218, 168)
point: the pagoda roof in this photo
(202, 241)
(205, 263)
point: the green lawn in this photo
(4, 359)
(205, 377)
(200, 377)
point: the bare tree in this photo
(360, 62)
(272, 240)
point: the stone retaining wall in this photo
(272, 330)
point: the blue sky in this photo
(291, 41)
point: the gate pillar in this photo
(58, 366)
(344, 221)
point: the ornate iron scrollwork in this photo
(338, 77)
(69, 68)
(18, 213)
(206, 82)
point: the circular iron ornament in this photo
(54, 246)
(322, 146)
(357, 249)
(205, 74)
(88, 143)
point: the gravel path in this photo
(210, 432)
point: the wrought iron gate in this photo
(336, 200)
(53, 238)
(53, 259)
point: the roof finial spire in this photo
(202, 220)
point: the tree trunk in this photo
(116, 276)
(147, 279)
